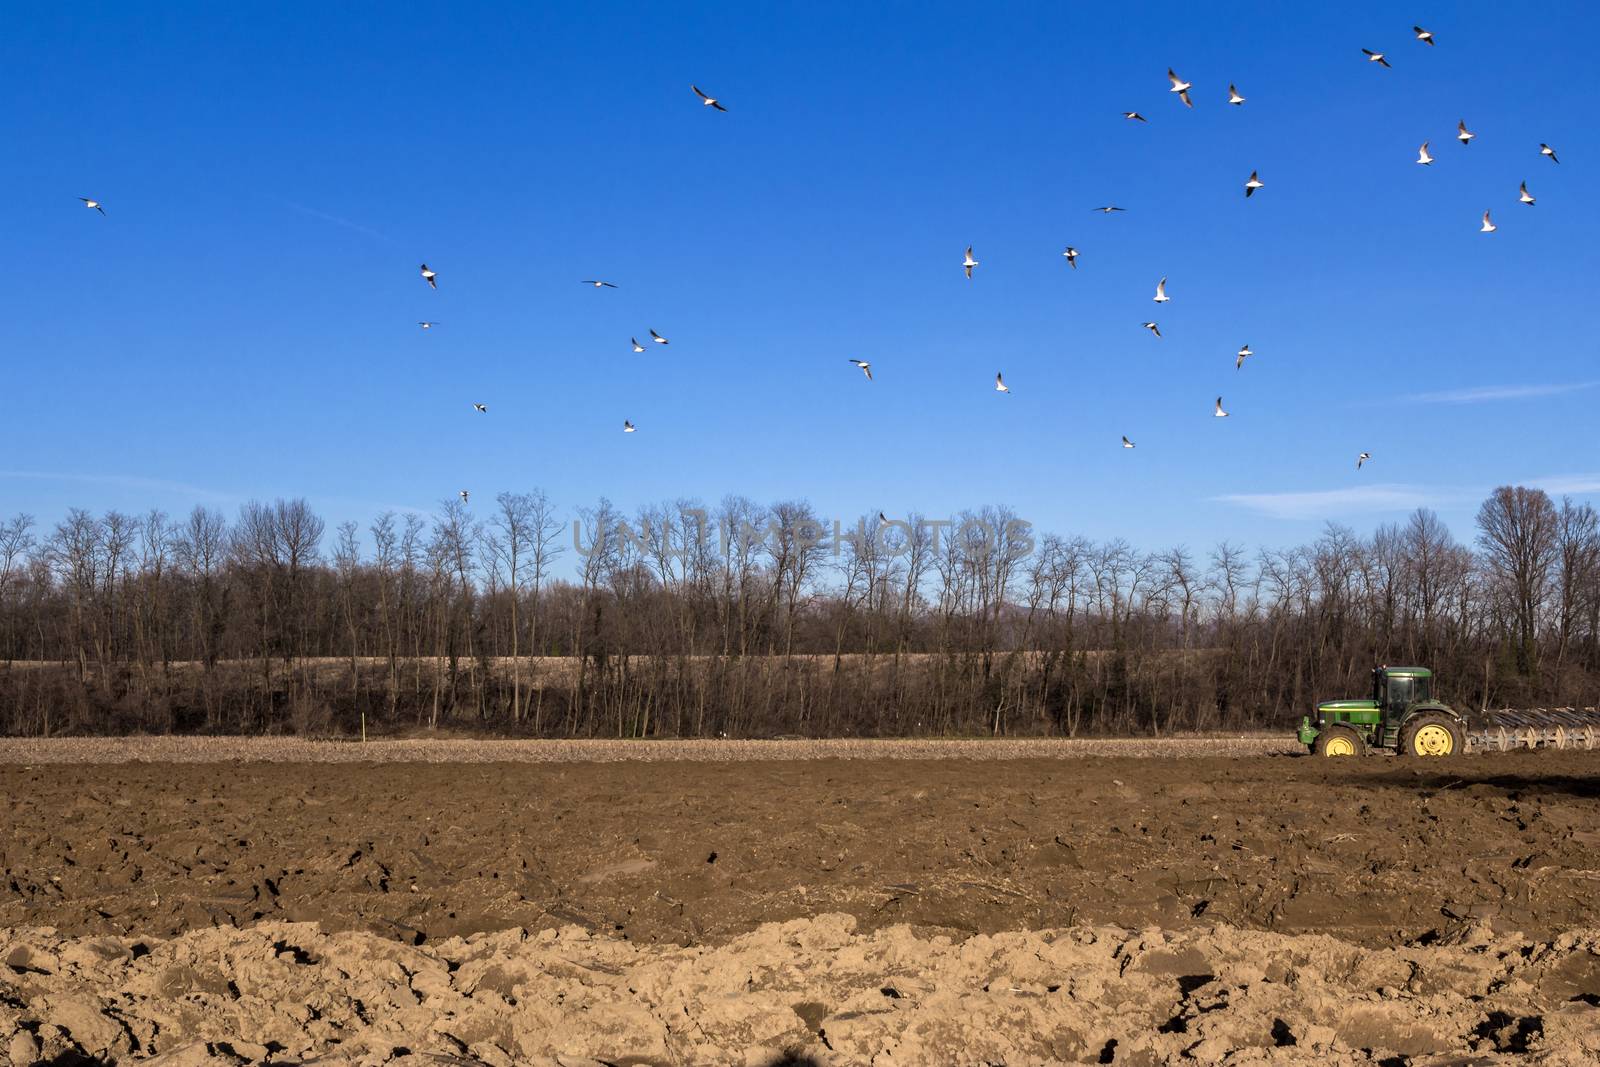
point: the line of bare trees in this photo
(750, 619)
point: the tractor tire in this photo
(1432, 734)
(1339, 740)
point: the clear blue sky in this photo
(242, 322)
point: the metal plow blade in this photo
(1506, 729)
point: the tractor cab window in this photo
(1402, 691)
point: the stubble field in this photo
(868, 902)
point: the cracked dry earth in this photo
(1099, 910)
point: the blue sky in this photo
(242, 322)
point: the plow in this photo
(1403, 716)
(1506, 729)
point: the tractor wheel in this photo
(1339, 740)
(1432, 734)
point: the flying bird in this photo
(709, 101)
(1180, 87)
(969, 262)
(627, 427)
(95, 204)
(1488, 227)
(429, 276)
(1463, 134)
(1546, 150)
(883, 520)
(1110, 209)
(1252, 185)
(1153, 328)
(1426, 37)
(1219, 413)
(1135, 116)
(1072, 257)
(1422, 155)
(1233, 95)
(1366, 455)
(482, 409)
(1125, 442)
(1374, 57)
(658, 339)
(598, 284)
(1161, 296)
(637, 347)
(866, 368)
(1000, 385)
(1526, 197)
(1244, 354)
(427, 325)
(464, 494)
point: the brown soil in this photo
(806, 992)
(1231, 860)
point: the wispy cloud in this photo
(124, 481)
(1568, 484)
(341, 221)
(1333, 503)
(1485, 393)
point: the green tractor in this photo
(1402, 715)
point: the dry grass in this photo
(294, 750)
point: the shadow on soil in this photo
(1511, 784)
(793, 1059)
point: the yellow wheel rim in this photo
(1433, 740)
(1339, 746)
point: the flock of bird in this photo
(1182, 90)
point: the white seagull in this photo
(1487, 227)
(1233, 96)
(637, 347)
(1546, 150)
(1219, 413)
(1125, 442)
(1365, 455)
(1426, 37)
(1244, 354)
(1463, 134)
(627, 427)
(883, 520)
(1526, 197)
(1110, 208)
(1134, 116)
(1252, 184)
(429, 277)
(866, 368)
(598, 284)
(1072, 257)
(658, 339)
(1000, 385)
(1180, 87)
(1374, 57)
(1422, 155)
(1153, 328)
(969, 262)
(427, 325)
(92, 204)
(709, 101)
(1161, 296)
(482, 409)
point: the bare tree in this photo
(16, 542)
(1517, 531)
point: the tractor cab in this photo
(1396, 689)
